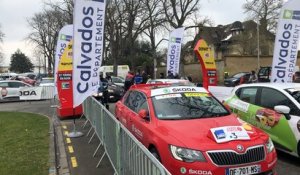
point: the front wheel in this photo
(154, 152)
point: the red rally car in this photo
(191, 132)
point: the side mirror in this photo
(143, 114)
(285, 110)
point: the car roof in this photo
(160, 89)
(273, 85)
(15, 81)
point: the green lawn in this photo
(24, 144)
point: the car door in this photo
(255, 105)
(278, 126)
(123, 108)
(138, 126)
(14, 88)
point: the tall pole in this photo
(258, 49)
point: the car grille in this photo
(230, 157)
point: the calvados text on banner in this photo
(174, 49)
(88, 47)
(286, 43)
(64, 37)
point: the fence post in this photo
(119, 144)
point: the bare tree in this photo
(65, 7)
(178, 12)
(45, 27)
(156, 22)
(114, 22)
(266, 12)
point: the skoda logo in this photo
(240, 148)
(182, 170)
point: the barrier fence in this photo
(126, 154)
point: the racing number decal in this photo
(233, 136)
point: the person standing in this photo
(128, 80)
(161, 75)
(170, 75)
(138, 79)
(145, 77)
(253, 77)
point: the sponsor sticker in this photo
(195, 94)
(167, 96)
(228, 133)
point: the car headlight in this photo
(110, 90)
(270, 145)
(186, 155)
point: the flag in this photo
(88, 47)
(65, 35)
(173, 56)
(286, 43)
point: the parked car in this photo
(264, 74)
(274, 107)
(47, 81)
(236, 79)
(10, 89)
(115, 93)
(190, 132)
(118, 81)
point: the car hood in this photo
(196, 134)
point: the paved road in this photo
(287, 164)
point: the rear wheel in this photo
(154, 152)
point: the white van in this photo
(122, 70)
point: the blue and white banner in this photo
(88, 47)
(286, 43)
(65, 35)
(174, 49)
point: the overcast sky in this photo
(14, 15)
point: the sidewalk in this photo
(79, 152)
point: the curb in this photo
(62, 166)
(52, 151)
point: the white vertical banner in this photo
(174, 49)
(65, 35)
(286, 42)
(88, 47)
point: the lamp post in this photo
(258, 49)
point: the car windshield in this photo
(238, 75)
(295, 93)
(183, 106)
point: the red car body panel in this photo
(192, 134)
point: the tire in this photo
(155, 153)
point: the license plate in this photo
(254, 169)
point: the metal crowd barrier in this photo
(47, 92)
(126, 154)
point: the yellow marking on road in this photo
(68, 140)
(64, 126)
(71, 150)
(74, 162)
(66, 133)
